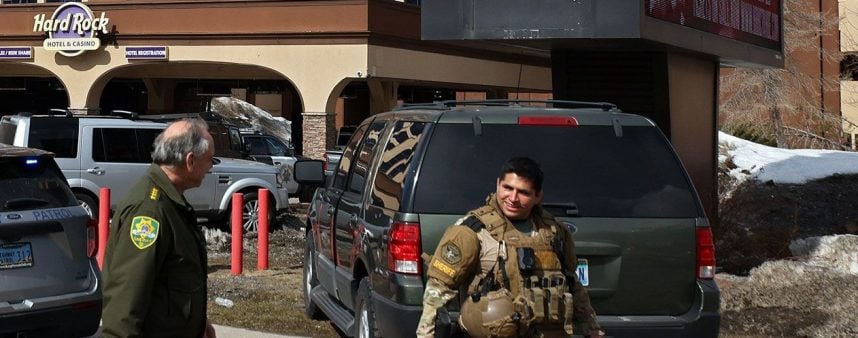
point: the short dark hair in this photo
(526, 168)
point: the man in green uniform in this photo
(155, 264)
(510, 263)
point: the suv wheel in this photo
(310, 281)
(88, 204)
(365, 311)
(250, 213)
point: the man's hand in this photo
(210, 331)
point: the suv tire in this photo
(88, 203)
(309, 277)
(365, 317)
(250, 213)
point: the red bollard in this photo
(237, 238)
(262, 246)
(103, 223)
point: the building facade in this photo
(320, 64)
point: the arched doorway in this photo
(188, 87)
(31, 89)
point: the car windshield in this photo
(636, 175)
(32, 182)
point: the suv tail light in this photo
(705, 253)
(91, 237)
(403, 246)
(567, 121)
(325, 163)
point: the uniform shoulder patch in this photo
(153, 194)
(144, 231)
(451, 253)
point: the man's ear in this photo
(189, 160)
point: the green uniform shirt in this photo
(155, 264)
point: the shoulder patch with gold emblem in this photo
(452, 254)
(144, 231)
(153, 194)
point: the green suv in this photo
(643, 241)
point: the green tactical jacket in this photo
(155, 264)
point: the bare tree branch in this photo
(789, 98)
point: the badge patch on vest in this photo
(452, 254)
(144, 231)
(446, 269)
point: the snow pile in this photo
(839, 253)
(797, 166)
(813, 292)
(810, 296)
(245, 114)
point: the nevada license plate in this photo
(583, 272)
(16, 255)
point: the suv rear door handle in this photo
(96, 170)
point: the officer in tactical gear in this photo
(155, 264)
(511, 266)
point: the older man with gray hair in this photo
(155, 264)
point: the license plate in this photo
(583, 272)
(16, 255)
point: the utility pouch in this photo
(538, 305)
(567, 313)
(526, 260)
(554, 304)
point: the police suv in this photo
(49, 281)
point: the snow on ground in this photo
(764, 163)
(812, 294)
(797, 166)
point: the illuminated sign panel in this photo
(146, 52)
(753, 21)
(71, 29)
(16, 53)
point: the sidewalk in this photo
(232, 332)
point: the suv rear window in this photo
(636, 175)
(56, 134)
(32, 183)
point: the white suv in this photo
(113, 152)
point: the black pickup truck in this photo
(643, 241)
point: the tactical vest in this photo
(541, 291)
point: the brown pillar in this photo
(319, 131)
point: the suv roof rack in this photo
(125, 114)
(208, 116)
(606, 106)
(58, 111)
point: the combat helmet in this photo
(490, 315)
